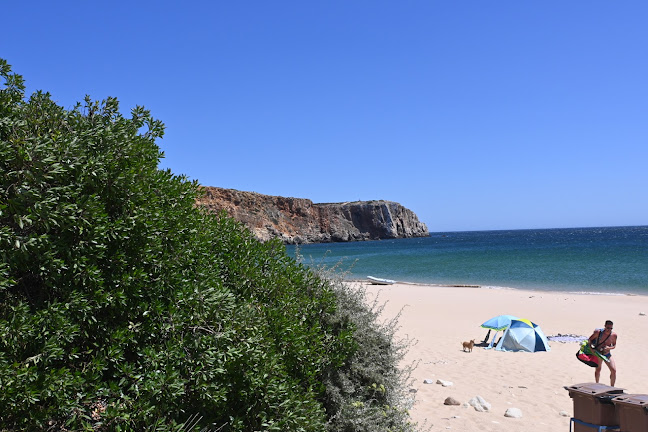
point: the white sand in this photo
(440, 318)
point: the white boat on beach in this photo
(380, 281)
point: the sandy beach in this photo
(440, 318)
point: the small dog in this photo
(468, 345)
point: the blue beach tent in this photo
(523, 335)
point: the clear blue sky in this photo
(474, 114)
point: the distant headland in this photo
(300, 221)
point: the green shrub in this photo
(124, 307)
(370, 391)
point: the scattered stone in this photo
(413, 390)
(522, 387)
(642, 313)
(428, 381)
(445, 383)
(479, 404)
(513, 413)
(564, 414)
(451, 401)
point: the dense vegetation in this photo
(123, 306)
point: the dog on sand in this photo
(468, 345)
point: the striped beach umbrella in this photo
(523, 335)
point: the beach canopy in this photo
(523, 335)
(499, 323)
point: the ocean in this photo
(609, 260)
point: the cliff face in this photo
(299, 220)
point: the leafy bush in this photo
(123, 306)
(369, 392)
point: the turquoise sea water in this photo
(602, 260)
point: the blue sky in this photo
(475, 115)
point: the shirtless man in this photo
(604, 340)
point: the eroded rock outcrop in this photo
(299, 220)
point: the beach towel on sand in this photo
(588, 356)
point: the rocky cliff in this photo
(299, 220)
